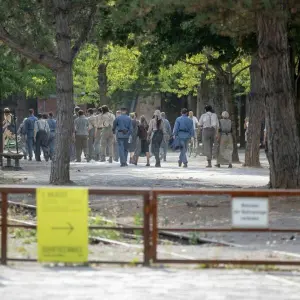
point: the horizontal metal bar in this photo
(11, 189)
(90, 262)
(23, 259)
(90, 227)
(234, 193)
(204, 229)
(227, 262)
(115, 262)
(116, 228)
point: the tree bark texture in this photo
(228, 95)
(201, 94)
(256, 114)
(102, 81)
(282, 136)
(60, 168)
(219, 97)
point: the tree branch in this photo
(85, 32)
(201, 66)
(240, 71)
(39, 57)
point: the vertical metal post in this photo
(4, 206)
(146, 231)
(154, 226)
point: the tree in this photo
(51, 34)
(122, 71)
(269, 20)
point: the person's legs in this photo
(38, 147)
(78, 147)
(29, 143)
(121, 151)
(97, 144)
(126, 146)
(91, 143)
(84, 144)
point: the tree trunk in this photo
(201, 95)
(102, 81)
(219, 97)
(60, 168)
(256, 114)
(282, 137)
(228, 87)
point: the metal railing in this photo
(150, 229)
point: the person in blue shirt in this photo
(29, 132)
(52, 125)
(184, 131)
(122, 128)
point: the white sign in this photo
(250, 212)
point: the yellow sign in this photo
(62, 230)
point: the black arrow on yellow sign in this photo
(69, 227)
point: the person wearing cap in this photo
(225, 141)
(209, 123)
(81, 128)
(184, 131)
(122, 128)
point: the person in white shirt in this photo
(209, 123)
(196, 124)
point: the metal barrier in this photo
(150, 227)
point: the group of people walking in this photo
(103, 136)
(37, 135)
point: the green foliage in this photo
(19, 75)
(122, 71)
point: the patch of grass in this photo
(103, 233)
(138, 222)
(20, 233)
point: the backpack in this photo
(142, 132)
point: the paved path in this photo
(169, 176)
(140, 283)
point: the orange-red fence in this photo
(150, 229)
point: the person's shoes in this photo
(165, 159)
(97, 157)
(116, 160)
(179, 163)
(102, 159)
(122, 165)
(185, 165)
(78, 160)
(230, 166)
(209, 164)
(38, 159)
(25, 157)
(147, 165)
(30, 158)
(218, 165)
(88, 160)
(131, 161)
(110, 160)
(157, 165)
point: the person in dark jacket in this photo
(144, 143)
(29, 132)
(122, 127)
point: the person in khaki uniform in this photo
(81, 125)
(107, 136)
(92, 122)
(98, 131)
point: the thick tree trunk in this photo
(60, 169)
(201, 93)
(228, 87)
(219, 97)
(256, 114)
(102, 81)
(282, 136)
